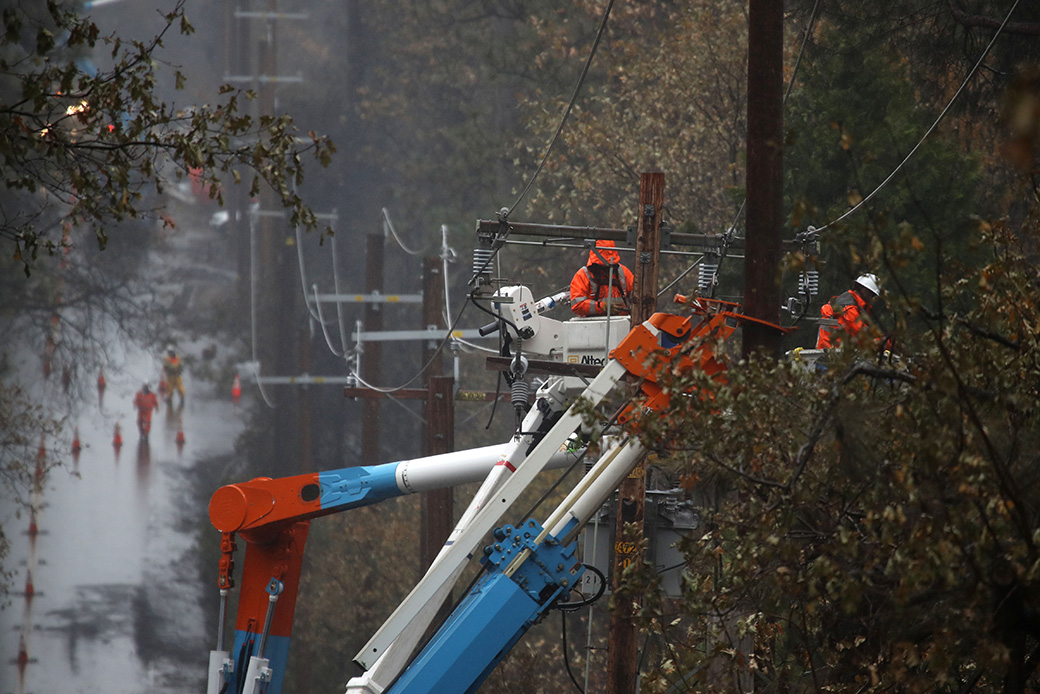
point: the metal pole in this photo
(221, 616)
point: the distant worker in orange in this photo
(844, 314)
(172, 368)
(145, 402)
(602, 287)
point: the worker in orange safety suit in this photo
(849, 309)
(145, 402)
(602, 286)
(172, 369)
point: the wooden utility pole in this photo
(371, 358)
(436, 506)
(764, 175)
(623, 648)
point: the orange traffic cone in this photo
(23, 654)
(101, 379)
(76, 446)
(117, 439)
(30, 589)
(41, 458)
(236, 390)
(34, 529)
(180, 434)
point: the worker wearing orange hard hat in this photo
(844, 314)
(603, 285)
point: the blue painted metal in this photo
(358, 486)
(276, 650)
(496, 613)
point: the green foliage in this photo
(25, 429)
(355, 585)
(851, 122)
(879, 524)
(666, 93)
(91, 145)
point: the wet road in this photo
(117, 594)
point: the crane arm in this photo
(272, 516)
(530, 566)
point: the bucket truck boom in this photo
(528, 566)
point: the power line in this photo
(393, 232)
(743, 203)
(930, 129)
(253, 307)
(436, 353)
(566, 113)
(505, 212)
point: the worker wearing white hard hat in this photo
(843, 315)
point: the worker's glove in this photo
(617, 304)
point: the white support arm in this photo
(459, 553)
(397, 656)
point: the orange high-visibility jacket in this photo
(586, 293)
(145, 403)
(172, 366)
(848, 309)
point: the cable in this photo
(393, 232)
(585, 602)
(479, 348)
(447, 255)
(497, 316)
(321, 322)
(339, 304)
(574, 98)
(303, 278)
(801, 51)
(933, 126)
(436, 352)
(681, 275)
(252, 307)
(787, 93)
(566, 655)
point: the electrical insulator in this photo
(482, 260)
(809, 283)
(519, 393)
(706, 277)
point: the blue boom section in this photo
(276, 650)
(310, 496)
(357, 486)
(497, 612)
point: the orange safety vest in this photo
(145, 403)
(848, 309)
(586, 291)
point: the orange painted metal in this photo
(252, 508)
(281, 557)
(679, 344)
(273, 517)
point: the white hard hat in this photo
(869, 282)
